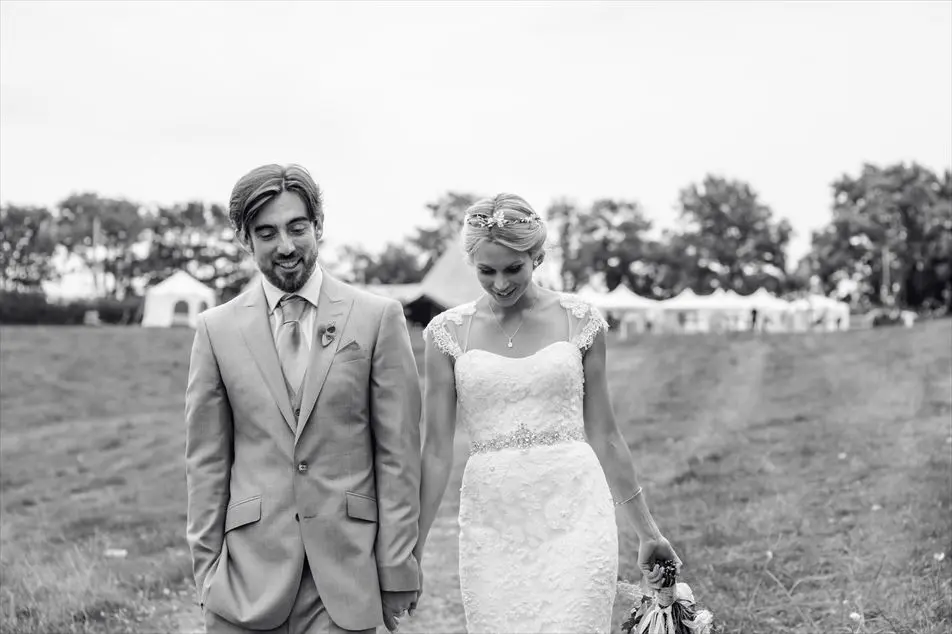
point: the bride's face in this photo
(504, 273)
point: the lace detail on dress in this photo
(538, 541)
(441, 335)
(594, 322)
(578, 307)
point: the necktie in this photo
(292, 349)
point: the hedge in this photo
(35, 309)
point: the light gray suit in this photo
(337, 483)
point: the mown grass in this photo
(803, 478)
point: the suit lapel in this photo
(256, 330)
(332, 307)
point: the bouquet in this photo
(669, 609)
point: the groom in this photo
(303, 446)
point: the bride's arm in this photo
(439, 429)
(609, 445)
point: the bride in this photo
(538, 541)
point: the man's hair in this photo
(263, 184)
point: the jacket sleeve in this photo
(208, 456)
(395, 420)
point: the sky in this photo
(392, 104)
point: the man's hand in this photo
(413, 606)
(394, 605)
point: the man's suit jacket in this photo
(337, 481)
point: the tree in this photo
(563, 217)
(607, 239)
(27, 243)
(889, 236)
(667, 268)
(409, 261)
(730, 238)
(396, 264)
(195, 237)
(446, 216)
(102, 231)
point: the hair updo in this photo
(505, 219)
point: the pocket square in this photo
(350, 345)
(350, 351)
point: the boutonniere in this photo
(327, 333)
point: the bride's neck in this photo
(524, 303)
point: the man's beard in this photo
(291, 282)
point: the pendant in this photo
(510, 343)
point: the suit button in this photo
(296, 518)
(302, 467)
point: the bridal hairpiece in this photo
(498, 219)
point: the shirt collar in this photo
(311, 291)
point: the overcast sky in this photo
(391, 104)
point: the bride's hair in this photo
(505, 219)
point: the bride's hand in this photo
(652, 553)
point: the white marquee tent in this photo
(176, 302)
(623, 299)
(685, 300)
(633, 311)
(724, 311)
(818, 312)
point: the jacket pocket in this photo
(243, 512)
(361, 507)
(350, 355)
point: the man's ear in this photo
(318, 230)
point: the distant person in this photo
(753, 320)
(302, 435)
(525, 369)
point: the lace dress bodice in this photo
(512, 403)
(538, 542)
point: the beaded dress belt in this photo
(525, 438)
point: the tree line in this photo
(888, 242)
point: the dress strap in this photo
(587, 321)
(444, 329)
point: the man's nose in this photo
(285, 245)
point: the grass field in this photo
(802, 478)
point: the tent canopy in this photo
(403, 293)
(685, 300)
(176, 301)
(624, 299)
(451, 281)
(181, 283)
(762, 299)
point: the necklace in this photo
(499, 323)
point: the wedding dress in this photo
(538, 540)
